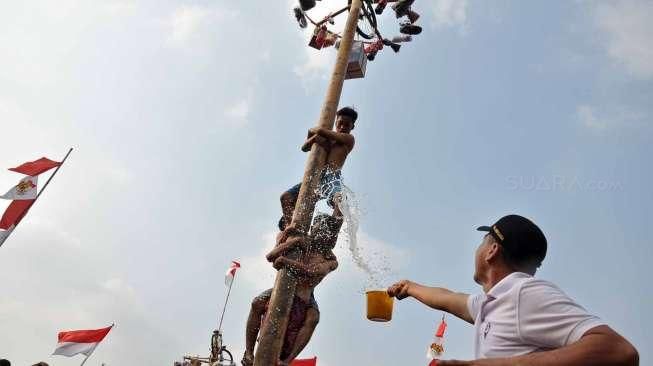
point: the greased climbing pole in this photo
(274, 327)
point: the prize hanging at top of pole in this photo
(371, 41)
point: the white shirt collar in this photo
(506, 284)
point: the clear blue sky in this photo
(187, 117)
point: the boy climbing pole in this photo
(338, 144)
(318, 262)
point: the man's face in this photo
(344, 124)
(480, 264)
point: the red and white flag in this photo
(24, 190)
(306, 362)
(36, 167)
(231, 273)
(24, 194)
(14, 213)
(74, 342)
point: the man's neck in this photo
(493, 276)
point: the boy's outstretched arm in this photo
(434, 297)
(342, 138)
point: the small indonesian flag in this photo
(437, 347)
(24, 190)
(231, 273)
(306, 362)
(74, 342)
(36, 167)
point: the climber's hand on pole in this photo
(309, 143)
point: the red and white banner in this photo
(36, 167)
(24, 190)
(75, 342)
(231, 273)
(14, 213)
(24, 194)
(306, 362)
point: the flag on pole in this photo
(24, 190)
(25, 193)
(74, 342)
(437, 347)
(14, 213)
(36, 167)
(306, 362)
(231, 273)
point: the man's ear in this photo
(493, 252)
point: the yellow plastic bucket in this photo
(379, 306)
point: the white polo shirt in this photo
(522, 314)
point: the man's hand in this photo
(400, 290)
(288, 231)
(280, 263)
(314, 131)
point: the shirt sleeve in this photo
(547, 317)
(474, 304)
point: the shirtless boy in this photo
(339, 144)
(318, 261)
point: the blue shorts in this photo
(330, 184)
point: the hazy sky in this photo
(187, 116)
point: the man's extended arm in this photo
(319, 269)
(434, 297)
(341, 138)
(600, 346)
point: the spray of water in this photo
(351, 211)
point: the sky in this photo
(186, 119)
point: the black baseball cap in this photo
(522, 240)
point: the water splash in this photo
(375, 266)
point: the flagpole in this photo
(38, 195)
(89, 355)
(52, 176)
(224, 308)
(112, 324)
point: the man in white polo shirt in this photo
(518, 319)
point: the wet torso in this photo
(337, 155)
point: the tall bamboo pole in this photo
(274, 329)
